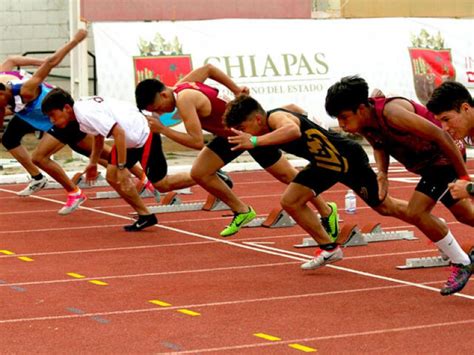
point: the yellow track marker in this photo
(7, 252)
(76, 276)
(98, 282)
(160, 303)
(267, 336)
(189, 312)
(25, 258)
(303, 348)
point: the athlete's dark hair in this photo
(347, 94)
(2, 87)
(238, 110)
(56, 99)
(450, 95)
(146, 91)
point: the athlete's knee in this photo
(39, 159)
(199, 174)
(415, 215)
(288, 203)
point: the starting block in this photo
(172, 203)
(277, 218)
(432, 261)
(351, 236)
(144, 194)
(79, 181)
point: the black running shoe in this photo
(225, 177)
(141, 223)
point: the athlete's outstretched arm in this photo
(209, 71)
(284, 130)
(13, 61)
(30, 89)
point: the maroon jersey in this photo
(414, 152)
(212, 123)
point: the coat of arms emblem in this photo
(165, 61)
(431, 63)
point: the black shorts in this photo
(15, 131)
(264, 156)
(70, 135)
(359, 177)
(150, 156)
(434, 182)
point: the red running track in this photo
(79, 284)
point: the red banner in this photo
(167, 69)
(430, 68)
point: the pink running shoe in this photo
(72, 203)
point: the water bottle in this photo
(350, 202)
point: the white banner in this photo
(289, 61)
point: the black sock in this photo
(328, 247)
(37, 177)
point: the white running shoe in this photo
(323, 257)
(33, 186)
(72, 203)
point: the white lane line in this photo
(270, 252)
(333, 337)
(148, 274)
(203, 305)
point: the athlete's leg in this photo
(285, 172)
(174, 182)
(294, 201)
(203, 172)
(24, 158)
(463, 211)
(126, 190)
(47, 146)
(11, 140)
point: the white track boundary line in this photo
(331, 337)
(243, 246)
(203, 305)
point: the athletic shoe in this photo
(323, 257)
(225, 177)
(72, 203)
(459, 277)
(34, 186)
(142, 222)
(331, 222)
(238, 221)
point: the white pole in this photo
(79, 63)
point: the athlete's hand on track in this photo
(241, 140)
(458, 189)
(91, 173)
